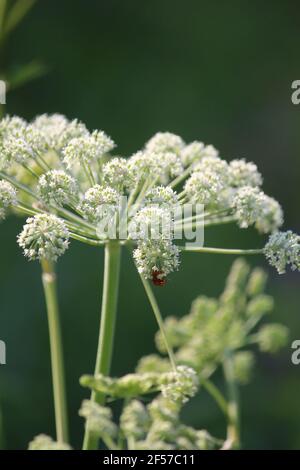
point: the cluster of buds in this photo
(72, 187)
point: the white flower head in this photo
(181, 385)
(214, 164)
(58, 187)
(204, 187)
(15, 150)
(155, 259)
(151, 222)
(87, 149)
(58, 130)
(252, 206)
(165, 142)
(11, 126)
(192, 153)
(159, 166)
(282, 249)
(244, 173)
(116, 174)
(44, 236)
(98, 202)
(162, 195)
(8, 197)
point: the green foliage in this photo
(214, 332)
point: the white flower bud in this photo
(44, 236)
(272, 337)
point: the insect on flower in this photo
(157, 278)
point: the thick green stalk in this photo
(107, 326)
(57, 363)
(233, 428)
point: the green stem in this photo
(49, 283)
(216, 394)
(159, 319)
(182, 177)
(233, 429)
(107, 326)
(223, 251)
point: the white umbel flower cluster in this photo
(87, 149)
(61, 168)
(116, 174)
(282, 249)
(182, 385)
(57, 130)
(99, 202)
(162, 196)
(252, 206)
(155, 259)
(244, 173)
(8, 197)
(165, 142)
(44, 236)
(58, 187)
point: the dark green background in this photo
(216, 71)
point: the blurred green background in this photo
(216, 71)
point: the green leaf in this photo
(3, 4)
(26, 73)
(16, 14)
